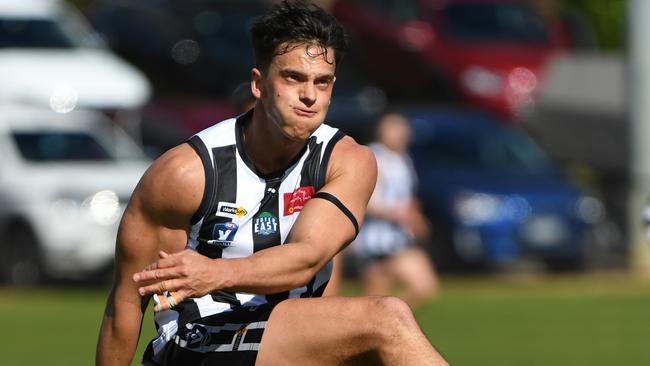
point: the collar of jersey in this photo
(239, 138)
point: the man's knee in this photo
(392, 314)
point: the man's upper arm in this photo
(351, 178)
(159, 212)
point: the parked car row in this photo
(488, 54)
(67, 168)
(64, 182)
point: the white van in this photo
(49, 56)
(65, 180)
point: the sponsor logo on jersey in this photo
(231, 210)
(265, 224)
(296, 200)
(223, 234)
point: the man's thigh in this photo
(320, 331)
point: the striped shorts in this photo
(231, 338)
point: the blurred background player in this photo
(386, 247)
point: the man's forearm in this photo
(272, 270)
(119, 333)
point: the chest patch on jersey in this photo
(227, 209)
(296, 200)
(265, 224)
(223, 234)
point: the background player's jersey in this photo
(244, 211)
(396, 184)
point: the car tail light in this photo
(522, 80)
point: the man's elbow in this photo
(312, 263)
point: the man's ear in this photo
(257, 87)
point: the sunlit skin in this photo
(293, 96)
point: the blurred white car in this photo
(64, 182)
(50, 56)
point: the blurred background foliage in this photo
(607, 17)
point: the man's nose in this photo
(308, 93)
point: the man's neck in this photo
(267, 147)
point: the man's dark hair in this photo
(291, 23)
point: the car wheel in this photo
(444, 253)
(565, 264)
(22, 265)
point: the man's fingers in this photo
(171, 300)
(158, 275)
(158, 287)
(159, 270)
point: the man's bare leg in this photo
(345, 331)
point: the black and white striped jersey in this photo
(244, 211)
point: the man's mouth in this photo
(304, 112)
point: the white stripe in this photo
(207, 306)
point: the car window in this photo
(59, 146)
(495, 22)
(33, 33)
(485, 150)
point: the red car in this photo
(488, 53)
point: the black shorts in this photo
(231, 338)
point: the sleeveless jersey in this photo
(396, 184)
(243, 212)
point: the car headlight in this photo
(482, 81)
(589, 209)
(102, 207)
(477, 208)
(482, 208)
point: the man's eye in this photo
(291, 77)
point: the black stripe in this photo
(310, 288)
(266, 226)
(319, 291)
(208, 192)
(266, 223)
(253, 335)
(312, 161)
(330, 197)
(226, 191)
(322, 172)
(226, 297)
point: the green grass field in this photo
(582, 320)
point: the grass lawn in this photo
(583, 320)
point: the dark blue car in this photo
(493, 196)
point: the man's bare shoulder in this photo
(350, 154)
(172, 188)
(353, 159)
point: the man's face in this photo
(296, 89)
